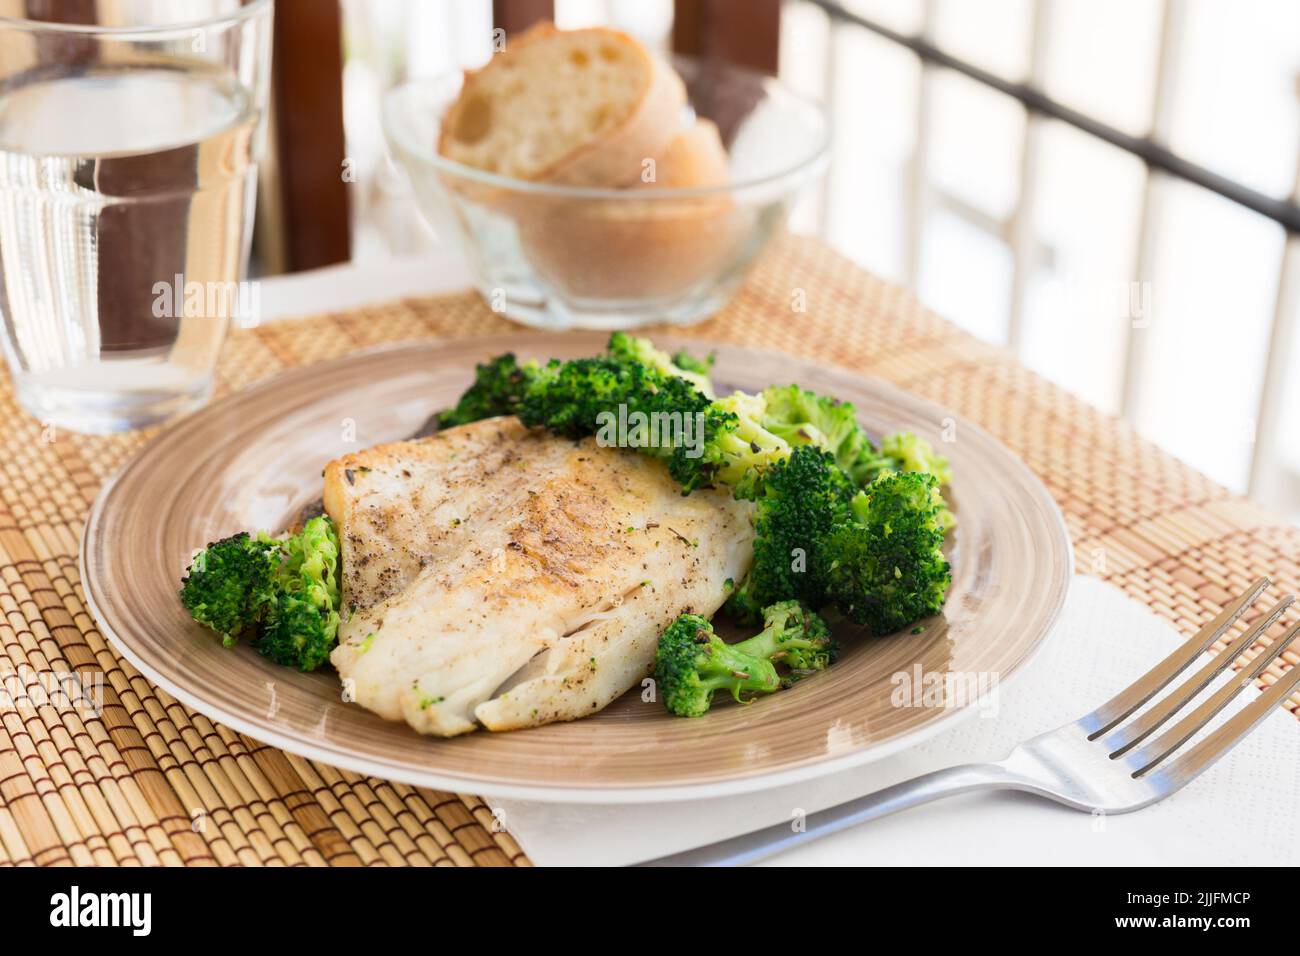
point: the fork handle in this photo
(759, 844)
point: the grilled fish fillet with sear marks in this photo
(511, 578)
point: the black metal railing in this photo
(1153, 154)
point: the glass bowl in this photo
(560, 257)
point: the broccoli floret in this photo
(284, 592)
(914, 453)
(885, 568)
(687, 362)
(875, 554)
(742, 607)
(730, 446)
(736, 450)
(499, 387)
(793, 637)
(298, 633)
(301, 628)
(229, 584)
(799, 501)
(629, 348)
(569, 397)
(904, 451)
(802, 417)
(692, 662)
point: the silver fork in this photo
(1097, 762)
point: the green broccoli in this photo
(285, 592)
(629, 348)
(229, 584)
(736, 449)
(799, 500)
(743, 606)
(914, 453)
(885, 567)
(808, 522)
(687, 362)
(904, 451)
(793, 637)
(569, 398)
(301, 628)
(499, 387)
(692, 662)
(802, 417)
(731, 446)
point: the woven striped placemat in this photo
(147, 781)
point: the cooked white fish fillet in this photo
(509, 578)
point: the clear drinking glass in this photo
(129, 139)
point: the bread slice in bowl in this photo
(570, 107)
(640, 245)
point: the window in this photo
(1145, 294)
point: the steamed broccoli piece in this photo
(629, 348)
(885, 568)
(875, 554)
(499, 387)
(914, 453)
(802, 417)
(569, 397)
(743, 606)
(301, 628)
(229, 584)
(689, 363)
(736, 450)
(731, 447)
(285, 592)
(904, 451)
(793, 637)
(799, 501)
(692, 662)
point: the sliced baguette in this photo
(694, 158)
(579, 108)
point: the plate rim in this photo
(542, 793)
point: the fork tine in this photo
(1190, 765)
(1153, 681)
(1160, 748)
(1132, 734)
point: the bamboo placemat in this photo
(150, 782)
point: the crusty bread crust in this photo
(693, 159)
(610, 156)
(618, 158)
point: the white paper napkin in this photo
(1241, 812)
